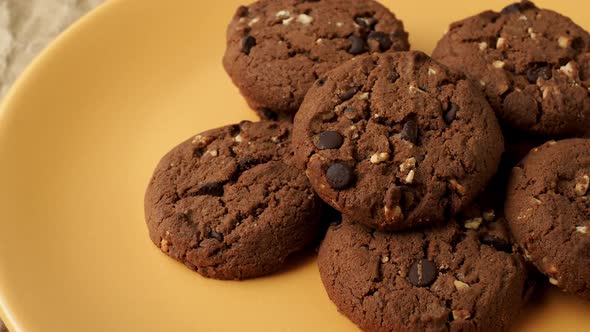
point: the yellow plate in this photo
(79, 137)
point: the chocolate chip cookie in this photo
(548, 209)
(455, 277)
(276, 50)
(228, 204)
(534, 65)
(397, 140)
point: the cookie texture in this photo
(228, 204)
(534, 65)
(548, 209)
(397, 140)
(276, 50)
(447, 278)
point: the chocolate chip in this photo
(242, 11)
(394, 76)
(410, 132)
(210, 189)
(328, 140)
(542, 70)
(357, 45)
(348, 94)
(243, 125)
(382, 38)
(331, 215)
(422, 273)
(498, 243)
(578, 44)
(366, 22)
(321, 81)
(513, 8)
(248, 162)
(266, 114)
(451, 113)
(517, 7)
(339, 176)
(247, 43)
(216, 236)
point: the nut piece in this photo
(547, 90)
(364, 96)
(415, 89)
(408, 164)
(568, 70)
(483, 46)
(379, 157)
(304, 19)
(500, 43)
(461, 314)
(473, 223)
(164, 245)
(410, 177)
(384, 259)
(532, 33)
(582, 229)
(238, 139)
(489, 215)
(202, 140)
(554, 281)
(564, 42)
(582, 185)
(457, 187)
(395, 214)
(283, 14)
(432, 71)
(498, 64)
(253, 21)
(212, 153)
(460, 285)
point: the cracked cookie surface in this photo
(534, 65)
(276, 50)
(397, 140)
(228, 203)
(446, 278)
(548, 209)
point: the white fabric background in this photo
(27, 26)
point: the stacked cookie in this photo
(408, 148)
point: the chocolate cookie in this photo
(534, 65)
(276, 50)
(548, 209)
(228, 204)
(397, 140)
(455, 277)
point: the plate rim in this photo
(19, 87)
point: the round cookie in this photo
(548, 209)
(228, 203)
(396, 140)
(534, 65)
(276, 50)
(447, 278)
